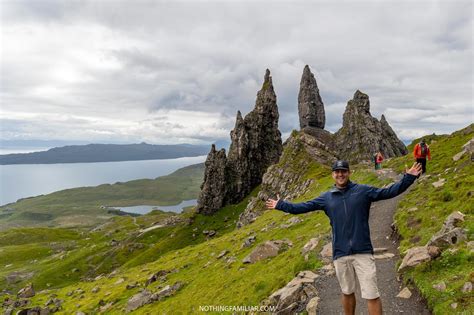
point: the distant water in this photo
(146, 209)
(11, 150)
(26, 180)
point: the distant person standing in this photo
(421, 152)
(378, 161)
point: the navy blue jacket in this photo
(348, 212)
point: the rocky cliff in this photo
(362, 135)
(289, 178)
(213, 189)
(256, 144)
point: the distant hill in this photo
(86, 206)
(105, 153)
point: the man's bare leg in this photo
(349, 303)
(374, 306)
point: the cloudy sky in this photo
(178, 71)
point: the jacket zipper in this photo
(345, 212)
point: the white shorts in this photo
(362, 265)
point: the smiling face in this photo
(341, 177)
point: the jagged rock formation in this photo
(256, 144)
(213, 189)
(310, 104)
(362, 135)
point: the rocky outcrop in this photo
(449, 234)
(310, 104)
(418, 255)
(467, 148)
(362, 135)
(299, 294)
(256, 144)
(287, 177)
(27, 291)
(146, 297)
(392, 146)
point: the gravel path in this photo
(381, 217)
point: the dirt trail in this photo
(381, 217)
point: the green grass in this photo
(212, 281)
(423, 211)
(208, 280)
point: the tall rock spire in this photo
(213, 188)
(256, 144)
(237, 162)
(310, 104)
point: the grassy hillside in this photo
(72, 263)
(84, 206)
(423, 211)
(192, 256)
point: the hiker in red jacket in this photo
(421, 152)
(378, 161)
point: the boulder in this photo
(312, 306)
(449, 234)
(138, 300)
(131, 286)
(290, 222)
(249, 241)
(296, 295)
(326, 252)
(418, 255)
(467, 148)
(222, 254)
(439, 183)
(37, 310)
(26, 292)
(404, 294)
(119, 281)
(440, 286)
(167, 291)
(446, 239)
(453, 220)
(467, 287)
(310, 246)
(157, 275)
(267, 250)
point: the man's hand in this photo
(271, 203)
(415, 170)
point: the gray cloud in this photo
(179, 71)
